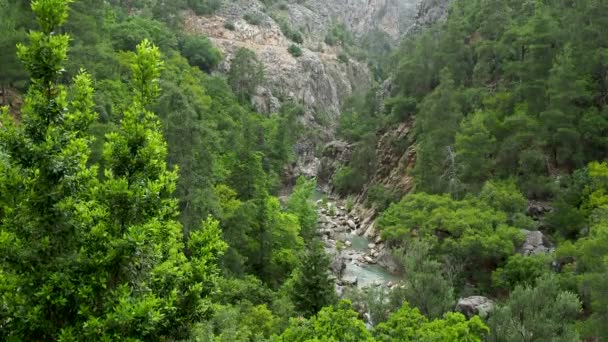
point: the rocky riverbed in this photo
(359, 257)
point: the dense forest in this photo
(140, 189)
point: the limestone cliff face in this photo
(317, 80)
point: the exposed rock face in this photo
(393, 162)
(428, 13)
(317, 80)
(394, 17)
(535, 243)
(335, 153)
(475, 305)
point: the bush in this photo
(295, 50)
(204, 7)
(348, 181)
(381, 197)
(253, 18)
(343, 58)
(229, 26)
(200, 52)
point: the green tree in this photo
(312, 287)
(245, 74)
(108, 254)
(11, 71)
(474, 147)
(408, 324)
(467, 231)
(333, 323)
(426, 287)
(300, 204)
(200, 52)
(435, 170)
(537, 312)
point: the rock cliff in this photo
(321, 78)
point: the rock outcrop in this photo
(475, 305)
(535, 242)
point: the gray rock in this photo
(475, 305)
(369, 259)
(351, 224)
(534, 243)
(386, 260)
(349, 280)
(538, 209)
(371, 246)
(338, 265)
(347, 243)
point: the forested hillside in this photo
(149, 185)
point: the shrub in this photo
(200, 52)
(253, 18)
(343, 58)
(229, 26)
(295, 50)
(350, 204)
(204, 7)
(348, 180)
(381, 197)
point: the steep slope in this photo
(324, 75)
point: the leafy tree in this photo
(536, 313)
(245, 73)
(312, 287)
(300, 204)
(408, 324)
(108, 253)
(205, 7)
(11, 71)
(333, 323)
(468, 231)
(521, 270)
(474, 147)
(433, 167)
(200, 52)
(426, 287)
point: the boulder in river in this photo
(349, 280)
(475, 305)
(347, 243)
(338, 265)
(369, 260)
(371, 246)
(351, 224)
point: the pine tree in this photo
(312, 288)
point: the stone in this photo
(371, 246)
(538, 209)
(389, 284)
(475, 305)
(386, 260)
(377, 283)
(349, 280)
(369, 259)
(339, 290)
(347, 243)
(338, 265)
(534, 243)
(342, 208)
(351, 224)
(378, 240)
